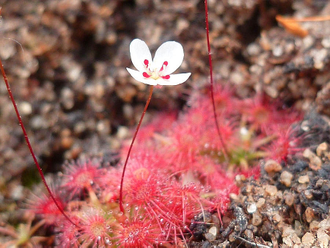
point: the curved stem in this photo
(4, 75)
(225, 151)
(130, 149)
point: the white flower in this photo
(168, 58)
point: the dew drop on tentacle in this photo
(107, 241)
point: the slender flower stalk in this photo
(130, 149)
(4, 75)
(225, 150)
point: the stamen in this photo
(166, 77)
(146, 75)
(164, 65)
(146, 62)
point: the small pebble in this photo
(320, 183)
(253, 49)
(288, 198)
(103, 127)
(236, 78)
(308, 41)
(291, 240)
(309, 214)
(303, 179)
(322, 149)
(298, 228)
(79, 127)
(249, 234)
(308, 239)
(315, 162)
(25, 108)
(278, 51)
(251, 208)
(233, 197)
(323, 238)
(286, 178)
(256, 219)
(326, 42)
(67, 98)
(301, 188)
(66, 142)
(308, 194)
(308, 154)
(261, 202)
(319, 58)
(325, 223)
(239, 179)
(211, 234)
(271, 190)
(287, 231)
(314, 225)
(272, 166)
(38, 122)
(213, 230)
(122, 132)
(232, 237)
(277, 218)
(17, 192)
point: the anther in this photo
(146, 62)
(146, 75)
(166, 77)
(164, 65)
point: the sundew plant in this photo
(176, 171)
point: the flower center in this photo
(155, 73)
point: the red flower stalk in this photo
(58, 205)
(211, 80)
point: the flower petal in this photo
(174, 79)
(137, 75)
(172, 52)
(139, 52)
